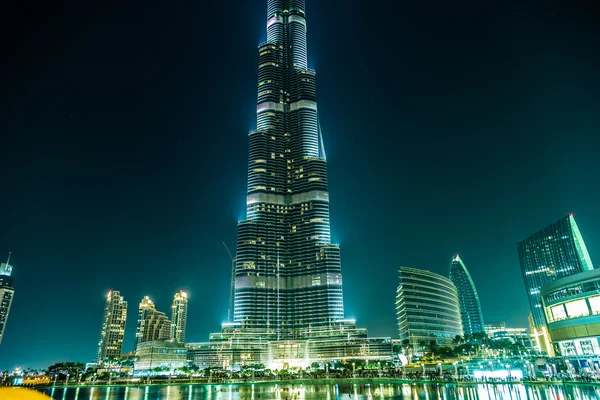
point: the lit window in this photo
(577, 308)
(595, 304)
(558, 313)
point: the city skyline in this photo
(154, 181)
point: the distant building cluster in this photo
(159, 342)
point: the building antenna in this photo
(8, 260)
(232, 285)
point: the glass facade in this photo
(427, 307)
(287, 273)
(572, 310)
(161, 354)
(110, 345)
(288, 306)
(7, 292)
(470, 308)
(555, 252)
(179, 316)
(152, 324)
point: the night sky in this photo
(450, 127)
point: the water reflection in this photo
(332, 391)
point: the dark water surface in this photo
(331, 391)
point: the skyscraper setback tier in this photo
(287, 278)
(556, 251)
(470, 308)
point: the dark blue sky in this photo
(450, 127)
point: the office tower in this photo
(179, 316)
(427, 308)
(556, 251)
(152, 324)
(113, 328)
(470, 308)
(7, 292)
(288, 279)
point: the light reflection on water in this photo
(341, 391)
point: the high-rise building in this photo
(556, 251)
(179, 316)
(7, 292)
(470, 308)
(152, 324)
(427, 308)
(113, 328)
(288, 278)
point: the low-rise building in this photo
(160, 356)
(572, 310)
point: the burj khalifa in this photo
(287, 277)
(288, 307)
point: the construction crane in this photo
(232, 286)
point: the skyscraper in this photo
(113, 328)
(427, 308)
(152, 324)
(554, 252)
(7, 292)
(470, 308)
(179, 316)
(288, 279)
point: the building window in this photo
(577, 308)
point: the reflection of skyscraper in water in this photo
(7, 292)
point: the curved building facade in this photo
(470, 308)
(427, 307)
(572, 310)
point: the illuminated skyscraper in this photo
(287, 279)
(554, 252)
(152, 324)
(470, 308)
(113, 328)
(7, 292)
(179, 316)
